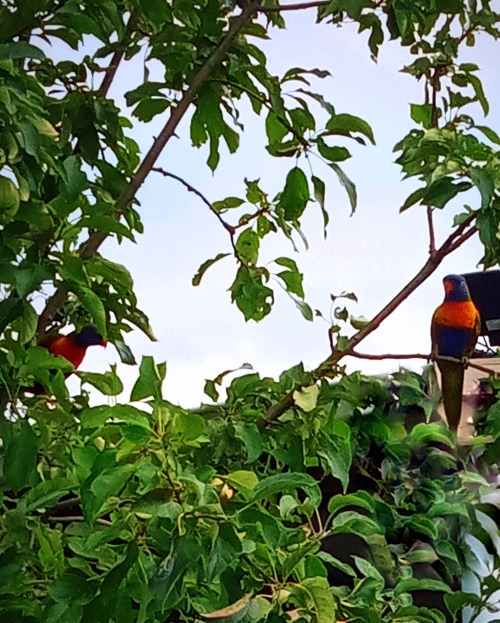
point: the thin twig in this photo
(294, 7)
(89, 248)
(117, 57)
(432, 237)
(230, 229)
(79, 518)
(469, 363)
(355, 353)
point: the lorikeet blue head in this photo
(455, 288)
(89, 336)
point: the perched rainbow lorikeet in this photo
(454, 331)
(72, 347)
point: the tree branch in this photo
(454, 240)
(355, 353)
(432, 237)
(117, 58)
(89, 248)
(299, 6)
(229, 228)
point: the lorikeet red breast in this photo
(74, 345)
(454, 331)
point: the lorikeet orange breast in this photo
(73, 346)
(454, 331)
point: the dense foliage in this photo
(317, 497)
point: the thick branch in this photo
(454, 240)
(89, 248)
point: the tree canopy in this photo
(241, 510)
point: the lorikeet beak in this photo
(448, 286)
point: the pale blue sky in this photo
(374, 253)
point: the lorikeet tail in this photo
(452, 384)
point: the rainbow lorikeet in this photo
(72, 347)
(454, 331)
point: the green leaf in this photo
(459, 600)
(190, 427)
(336, 450)
(108, 383)
(30, 279)
(20, 50)
(423, 525)
(275, 129)
(20, 458)
(484, 183)
(73, 588)
(422, 113)
(243, 479)
(292, 278)
(29, 321)
(205, 266)
(93, 304)
(306, 398)
(361, 499)
(72, 180)
(477, 85)
(295, 196)
(414, 584)
(347, 184)
(489, 133)
(413, 198)
(125, 352)
(227, 204)
(249, 293)
(443, 190)
(352, 522)
(247, 246)
(46, 494)
(332, 154)
(284, 483)
(96, 490)
(149, 383)
(321, 602)
(148, 108)
(304, 309)
(344, 124)
(319, 195)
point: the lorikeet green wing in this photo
(454, 331)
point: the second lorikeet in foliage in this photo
(454, 331)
